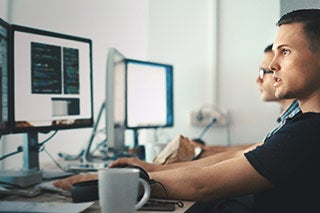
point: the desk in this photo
(55, 197)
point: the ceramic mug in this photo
(118, 190)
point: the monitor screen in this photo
(139, 94)
(52, 80)
(4, 71)
(149, 94)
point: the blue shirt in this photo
(291, 111)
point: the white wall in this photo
(245, 29)
(183, 33)
(289, 5)
(221, 39)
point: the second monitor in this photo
(139, 95)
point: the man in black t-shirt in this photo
(282, 172)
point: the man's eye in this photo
(285, 51)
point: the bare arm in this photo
(211, 160)
(232, 177)
(212, 150)
(66, 183)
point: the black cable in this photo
(214, 120)
(44, 149)
(46, 140)
(154, 182)
(19, 149)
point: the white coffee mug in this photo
(118, 190)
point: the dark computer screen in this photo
(149, 94)
(4, 71)
(52, 80)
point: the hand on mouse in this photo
(134, 161)
(66, 183)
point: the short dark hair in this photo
(310, 18)
(268, 48)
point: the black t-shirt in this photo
(290, 160)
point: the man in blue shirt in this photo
(288, 107)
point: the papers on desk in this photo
(18, 206)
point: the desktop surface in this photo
(47, 194)
(51, 197)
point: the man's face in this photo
(266, 81)
(296, 68)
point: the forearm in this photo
(173, 184)
(207, 161)
(212, 150)
(224, 179)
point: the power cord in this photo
(40, 147)
(199, 139)
(19, 149)
(154, 182)
(50, 156)
(214, 120)
(41, 144)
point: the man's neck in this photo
(311, 104)
(285, 103)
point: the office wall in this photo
(289, 5)
(181, 32)
(216, 47)
(245, 29)
(4, 9)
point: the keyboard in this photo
(88, 167)
(157, 205)
(50, 187)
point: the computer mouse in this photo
(85, 191)
(199, 141)
(143, 174)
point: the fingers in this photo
(67, 183)
(122, 161)
(63, 184)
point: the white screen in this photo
(146, 95)
(69, 97)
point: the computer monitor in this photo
(115, 99)
(113, 108)
(4, 72)
(51, 86)
(52, 81)
(139, 94)
(149, 94)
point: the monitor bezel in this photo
(7, 129)
(25, 29)
(169, 69)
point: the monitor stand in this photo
(88, 158)
(30, 174)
